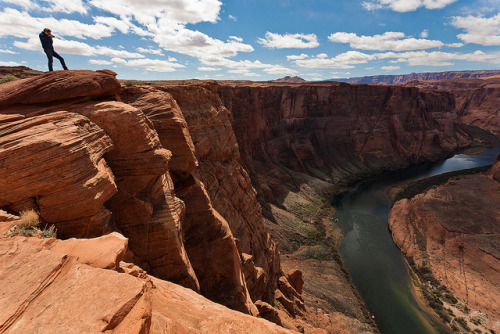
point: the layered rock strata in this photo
(453, 231)
(47, 282)
(90, 167)
(477, 100)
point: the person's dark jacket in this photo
(46, 41)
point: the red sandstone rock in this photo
(58, 85)
(43, 290)
(146, 209)
(454, 231)
(208, 239)
(476, 100)
(226, 181)
(105, 252)
(295, 278)
(495, 170)
(162, 110)
(212, 250)
(50, 159)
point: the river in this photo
(375, 263)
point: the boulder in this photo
(58, 85)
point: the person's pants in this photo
(51, 54)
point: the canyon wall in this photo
(402, 78)
(477, 100)
(173, 166)
(91, 164)
(452, 231)
(337, 133)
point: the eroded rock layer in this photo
(83, 286)
(453, 231)
(477, 100)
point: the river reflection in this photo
(375, 263)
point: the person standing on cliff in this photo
(46, 39)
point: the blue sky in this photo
(254, 39)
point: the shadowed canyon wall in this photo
(477, 100)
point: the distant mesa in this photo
(399, 79)
(289, 79)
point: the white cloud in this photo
(66, 6)
(8, 51)
(479, 30)
(23, 25)
(437, 58)
(237, 39)
(405, 5)
(78, 48)
(341, 61)
(390, 68)
(208, 69)
(147, 12)
(25, 4)
(99, 62)
(195, 43)
(150, 50)
(278, 69)
(298, 41)
(234, 18)
(155, 65)
(424, 34)
(455, 45)
(396, 41)
(302, 56)
(9, 63)
(163, 22)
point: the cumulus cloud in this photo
(424, 34)
(245, 66)
(396, 41)
(155, 65)
(278, 69)
(195, 43)
(413, 58)
(479, 29)
(236, 38)
(23, 25)
(294, 57)
(390, 68)
(208, 69)
(150, 50)
(66, 6)
(148, 11)
(78, 48)
(8, 51)
(438, 58)
(286, 41)
(406, 5)
(99, 62)
(342, 61)
(9, 63)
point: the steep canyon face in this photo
(453, 231)
(195, 175)
(477, 100)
